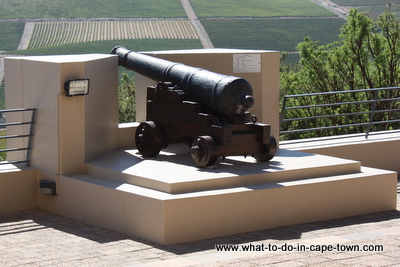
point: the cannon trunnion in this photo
(206, 110)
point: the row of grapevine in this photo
(56, 33)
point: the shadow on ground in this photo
(34, 220)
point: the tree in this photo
(126, 99)
(367, 55)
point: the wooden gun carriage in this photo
(206, 110)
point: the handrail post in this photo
(371, 115)
(31, 131)
(28, 146)
(282, 112)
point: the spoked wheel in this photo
(149, 139)
(204, 151)
(270, 152)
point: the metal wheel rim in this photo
(271, 148)
(149, 139)
(204, 151)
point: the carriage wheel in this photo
(271, 149)
(204, 151)
(149, 139)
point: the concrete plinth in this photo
(168, 200)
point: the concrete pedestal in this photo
(168, 200)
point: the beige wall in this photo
(265, 82)
(381, 150)
(18, 188)
(69, 130)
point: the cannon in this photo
(206, 110)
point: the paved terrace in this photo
(38, 238)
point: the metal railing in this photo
(28, 147)
(369, 107)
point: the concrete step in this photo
(173, 170)
(173, 218)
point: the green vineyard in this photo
(58, 33)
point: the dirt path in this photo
(26, 36)
(204, 38)
(333, 7)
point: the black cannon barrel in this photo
(228, 95)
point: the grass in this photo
(380, 9)
(257, 8)
(272, 34)
(13, 9)
(362, 2)
(10, 34)
(106, 46)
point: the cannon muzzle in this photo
(228, 95)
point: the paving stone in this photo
(288, 264)
(38, 238)
(371, 260)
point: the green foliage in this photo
(257, 8)
(14, 9)
(366, 56)
(126, 99)
(10, 34)
(276, 34)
